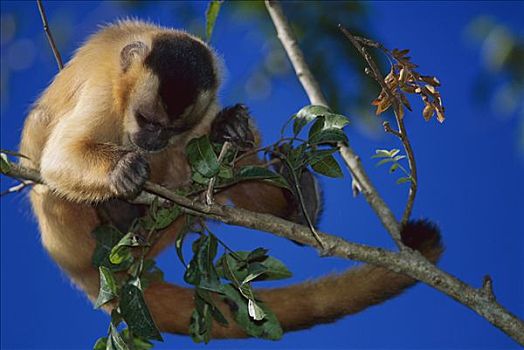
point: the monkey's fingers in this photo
(129, 175)
(233, 124)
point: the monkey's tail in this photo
(306, 304)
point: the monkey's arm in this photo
(83, 162)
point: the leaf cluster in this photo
(125, 273)
(393, 157)
(229, 279)
(403, 79)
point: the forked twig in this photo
(397, 104)
(211, 186)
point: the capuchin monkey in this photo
(121, 112)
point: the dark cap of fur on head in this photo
(184, 66)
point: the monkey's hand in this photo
(233, 124)
(129, 175)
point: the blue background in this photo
(470, 181)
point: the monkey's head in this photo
(167, 84)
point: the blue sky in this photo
(470, 180)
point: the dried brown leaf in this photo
(403, 75)
(410, 89)
(427, 113)
(440, 114)
(382, 105)
(430, 80)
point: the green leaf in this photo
(251, 172)
(306, 115)
(268, 328)
(297, 156)
(101, 344)
(201, 322)
(136, 314)
(166, 216)
(403, 180)
(335, 121)
(5, 164)
(238, 269)
(330, 136)
(201, 271)
(397, 158)
(138, 344)
(276, 269)
(313, 111)
(393, 152)
(151, 273)
(199, 178)
(257, 254)
(254, 270)
(121, 252)
(179, 243)
(226, 172)
(324, 163)
(381, 153)
(231, 268)
(108, 287)
(255, 311)
(211, 17)
(202, 157)
(107, 237)
(116, 339)
(215, 312)
(393, 167)
(384, 161)
(323, 132)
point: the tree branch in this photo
(407, 261)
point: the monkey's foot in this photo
(233, 124)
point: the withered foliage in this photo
(403, 79)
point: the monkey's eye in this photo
(145, 123)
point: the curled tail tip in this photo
(424, 236)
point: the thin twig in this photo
(210, 188)
(300, 196)
(315, 95)
(389, 129)
(17, 188)
(407, 262)
(49, 35)
(402, 132)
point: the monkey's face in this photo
(175, 83)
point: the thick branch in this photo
(312, 88)
(408, 262)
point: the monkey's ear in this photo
(130, 52)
